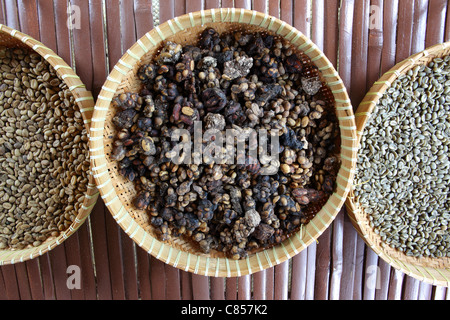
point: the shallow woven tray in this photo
(15, 39)
(117, 192)
(431, 270)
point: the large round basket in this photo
(14, 39)
(117, 192)
(435, 271)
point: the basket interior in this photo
(130, 83)
(391, 255)
(13, 39)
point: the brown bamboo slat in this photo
(388, 52)
(231, 289)
(114, 235)
(224, 4)
(81, 52)
(173, 283)
(128, 36)
(325, 242)
(34, 279)
(375, 45)
(58, 268)
(359, 272)
(274, 8)
(439, 293)
(217, 289)
(420, 24)
(143, 274)
(47, 278)
(82, 43)
(180, 6)
(246, 4)
(99, 240)
(447, 27)
(390, 22)
(166, 12)
(359, 52)
(420, 14)
(22, 281)
(33, 264)
(244, 284)
(143, 16)
(302, 16)
(2, 13)
(196, 5)
(405, 29)
(3, 295)
(316, 282)
(345, 41)
(383, 274)
(310, 272)
(144, 22)
(209, 4)
(396, 283)
(281, 281)
(347, 254)
(58, 258)
(286, 11)
(437, 13)
(301, 11)
(127, 24)
(260, 5)
(12, 15)
(370, 277)
(411, 289)
(338, 241)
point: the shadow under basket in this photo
(118, 192)
(435, 271)
(11, 38)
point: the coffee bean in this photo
(235, 82)
(39, 160)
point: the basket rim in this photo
(85, 101)
(431, 275)
(199, 264)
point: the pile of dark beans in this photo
(232, 82)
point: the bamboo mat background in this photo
(338, 266)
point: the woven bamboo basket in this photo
(117, 193)
(435, 271)
(14, 39)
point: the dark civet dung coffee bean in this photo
(232, 81)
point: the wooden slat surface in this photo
(359, 43)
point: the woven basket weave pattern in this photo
(117, 192)
(431, 270)
(15, 39)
